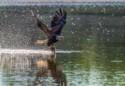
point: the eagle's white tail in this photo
(41, 41)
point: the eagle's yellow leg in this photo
(41, 41)
(52, 47)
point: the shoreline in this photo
(64, 4)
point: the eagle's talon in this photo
(52, 47)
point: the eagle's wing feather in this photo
(44, 28)
(59, 20)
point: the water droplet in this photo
(98, 29)
(80, 25)
(100, 23)
(6, 16)
(104, 10)
(50, 16)
(73, 23)
(72, 18)
(72, 32)
(108, 40)
(108, 31)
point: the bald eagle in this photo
(57, 24)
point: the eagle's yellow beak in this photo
(61, 38)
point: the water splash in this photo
(69, 51)
(24, 51)
(33, 51)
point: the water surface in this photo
(92, 53)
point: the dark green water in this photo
(98, 32)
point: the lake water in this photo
(92, 53)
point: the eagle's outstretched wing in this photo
(59, 20)
(44, 28)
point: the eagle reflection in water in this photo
(49, 68)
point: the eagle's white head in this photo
(59, 37)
